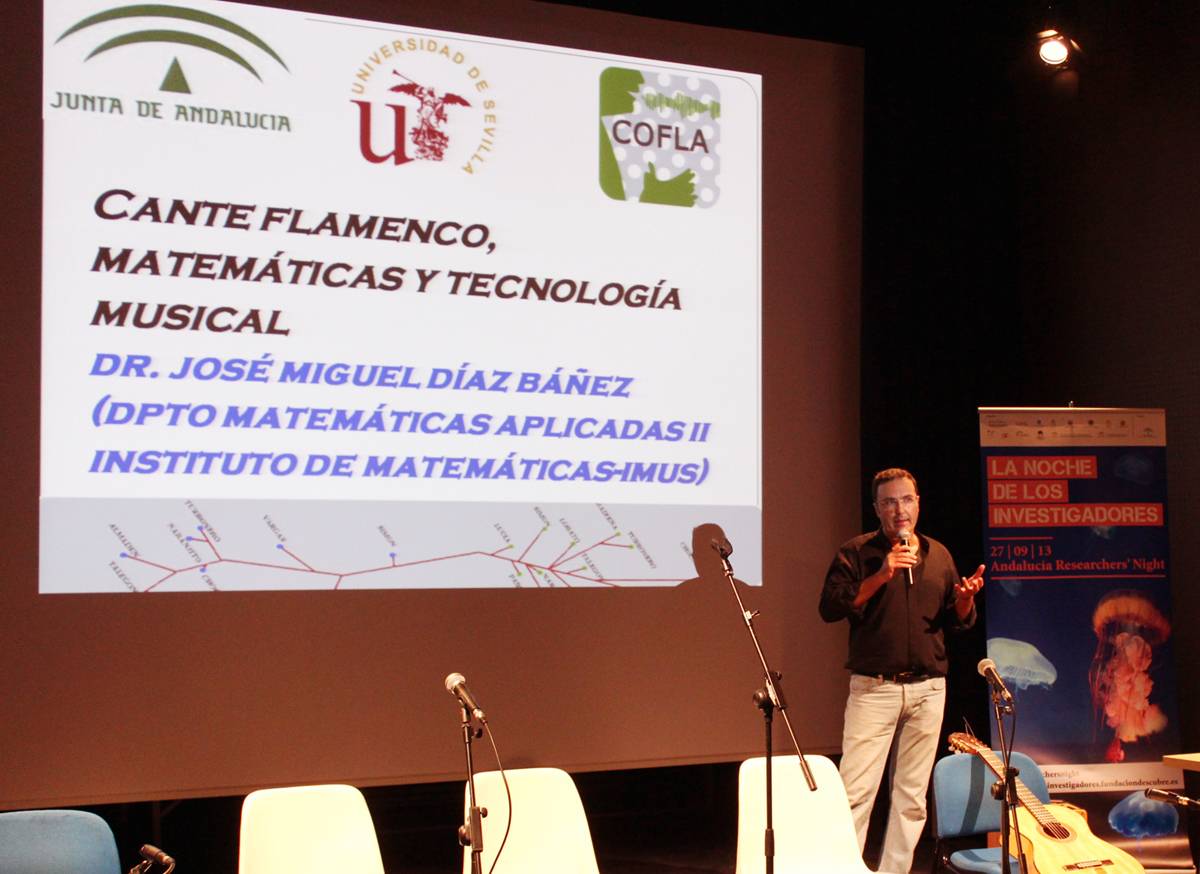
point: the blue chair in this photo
(963, 806)
(56, 842)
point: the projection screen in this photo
(377, 345)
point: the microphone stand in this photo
(470, 834)
(762, 700)
(768, 699)
(1005, 789)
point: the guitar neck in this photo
(1028, 800)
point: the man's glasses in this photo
(892, 504)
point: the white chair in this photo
(813, 830)
(549, 828)
(308, 830)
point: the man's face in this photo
(897, 505)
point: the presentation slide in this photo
(438, 338)
(410, 311)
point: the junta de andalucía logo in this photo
(159, 23)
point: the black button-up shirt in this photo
(900, 628)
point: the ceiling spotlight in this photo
(1055, 48)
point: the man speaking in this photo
(900, 592)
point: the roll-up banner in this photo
(1079, 611)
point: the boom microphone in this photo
(987, 670)
(1172, 798)
(151, 856)
(151, 853)
(723, 547)
(456, 685)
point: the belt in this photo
(902, 677)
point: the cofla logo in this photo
(659, 136)
(175, 80)
(421, 98)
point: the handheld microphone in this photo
(904, 535)
(1172, 798)
(456, 685)
(987, 670)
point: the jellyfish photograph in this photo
(1137, 816)
(1128, 627)
(1021, 664)
(1136, 468)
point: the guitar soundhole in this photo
(1057, 831)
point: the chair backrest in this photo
(813, 830)
(962, 793)
(308, 830)
(56, 842)
(549, 827)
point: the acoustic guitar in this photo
(1056, 836)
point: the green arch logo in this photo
(175, 80)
